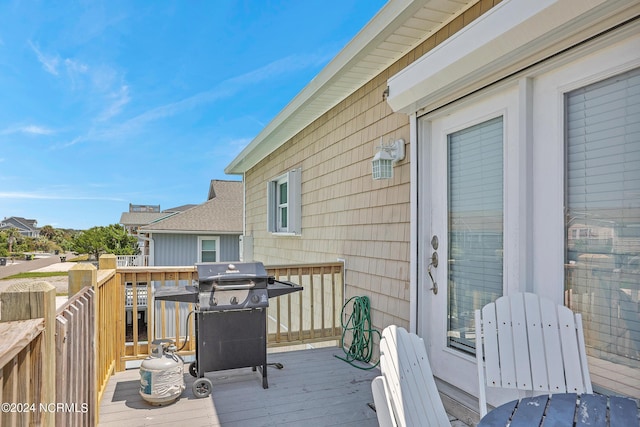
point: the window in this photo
(284, 204)
(208, 249)
(475, 229)
(602, 220)
(282, 200)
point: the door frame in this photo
(453, 366)
(529, 264)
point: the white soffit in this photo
(509, 37)
(400, 26)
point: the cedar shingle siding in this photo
(345, 213)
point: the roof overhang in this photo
(397, 28)
(508, 38)
(201, 232)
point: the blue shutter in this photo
(272, 202)
(295, 201)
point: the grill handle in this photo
(234, 286)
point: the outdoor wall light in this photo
(386, 157)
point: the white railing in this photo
(133, 260)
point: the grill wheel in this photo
(201, 387)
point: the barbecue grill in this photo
(231, 318)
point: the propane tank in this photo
(161, 374)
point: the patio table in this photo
(566, 409)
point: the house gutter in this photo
(193, 232)
(341, 77)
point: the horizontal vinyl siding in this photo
(229, 248)
(182, 249)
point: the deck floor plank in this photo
(314, 388)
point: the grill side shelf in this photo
(186, 294)
(278, 288)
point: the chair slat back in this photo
(405, 366)
(552, 346)
(538, 357)
(530, 343)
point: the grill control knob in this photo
(255, 298)
(233, 300)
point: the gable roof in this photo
(220, 214)
(396, 29)
(143, 218)
(19, 222)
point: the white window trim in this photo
(594, 64)
(201, 239)
(294, 210)
(284, 179)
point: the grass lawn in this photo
(36, 274)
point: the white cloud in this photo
(223, 90)
(118, 100)
(50, 63)
(75, 70)
(229, 87)
(27, 129)
(50, 196)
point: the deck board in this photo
(314, 388)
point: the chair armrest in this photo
(384, 411)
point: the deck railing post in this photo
(81, 275)
(24, 301)
(108, 262)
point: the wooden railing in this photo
(49, 358)
(109, 327)
(133, 260)
(76, 360)
(27, 355)
(311, 315)
(139, 317)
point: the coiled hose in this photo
(359, 326)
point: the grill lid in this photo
(222, 281)
(222, 272)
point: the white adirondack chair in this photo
(406, 394)
(529, 343)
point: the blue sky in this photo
(106, 103)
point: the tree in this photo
(48, 232)
(99, 240)
(13, 234)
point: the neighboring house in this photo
(520, 119)
(207, 232)
(140, 215)
(26, 227)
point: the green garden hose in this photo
(359, 325)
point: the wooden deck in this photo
(314, 388)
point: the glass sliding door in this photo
(602, 221)
(475, 226)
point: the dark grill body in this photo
(231, 317)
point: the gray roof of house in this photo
(27, 224)
(221, 214)
(142, 218)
